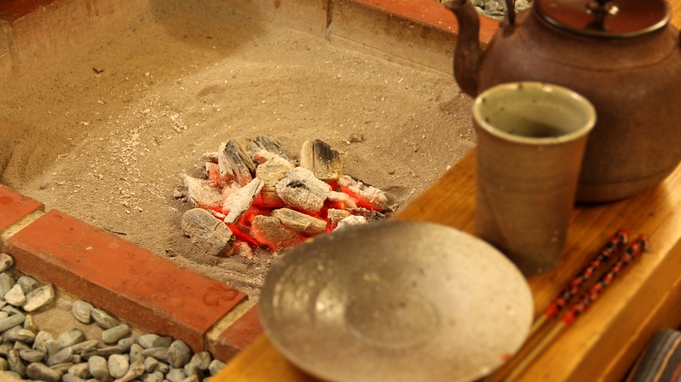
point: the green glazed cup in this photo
(531, 140)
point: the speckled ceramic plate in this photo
(396, 301)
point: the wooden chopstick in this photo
(640, 245)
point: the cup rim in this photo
(588, 125)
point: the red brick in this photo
(148, 291)
(239, 335)
(14, 206)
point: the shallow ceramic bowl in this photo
(396, 301)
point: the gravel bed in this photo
(27, 353)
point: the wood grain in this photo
(605, 341)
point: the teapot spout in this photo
(467, 53)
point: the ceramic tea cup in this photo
(531, 140)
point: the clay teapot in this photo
(622, 55)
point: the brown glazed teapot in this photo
(622, 55)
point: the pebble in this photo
(64, 355)
(30, 355)
(202, 360)
(126, 343)
(40, 372)
(11, 321)
(104, 319)
(163, 367)
(135, 370)
(98, 367)
(39, 298)
(62, 367)
(215, 366)
(6, 261)
(193, 369)
(179, 354)
(176, 375)
(18, 334)
(15, 363)
(82, 311)
(156, 376)
(41, 340)
(136, 353)
(71, 337)
(160, 354)
(15, 296)
(118, 365)
(6, 283)
(21, 346)
(154, 341)
(191, 378)
(150, 364)
(29, 324)
(85, 345)
(53, 347)
(114, 334)
(79, 370)
(28, 284)
(3, 364)
(71, 378)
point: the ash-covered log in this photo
(268, 231)
(240, 201)
(207, 232)
(271, 172)
(201, 193)
(366, 195)
(300, 222)
(235, 163)
(303, 191)
(268, 144)
(318, 157)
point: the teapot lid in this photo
(604, 18)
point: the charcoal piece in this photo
(237, 203)
(235, 163)
(201, 193)
(268, 231)
(300, 222)
(366, 195)
(301, 190)
(318, 157)
(271, 172)
(207, 232)
(268, 144)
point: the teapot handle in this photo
(510, 11)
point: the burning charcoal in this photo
(263, 156)
(235, 163)
(240, 201)
(335, 215)
(301, 190)
(342, 199)
(200, 192)
(270, 173)
(213, 171)
(367, 196)
(369, 215)
(211, 157)
(300, 222)
(207, 232)
(268, 231)
(323, 161)
(351, 220)
(243, 249)
(267, 144)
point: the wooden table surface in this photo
(606, 340)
